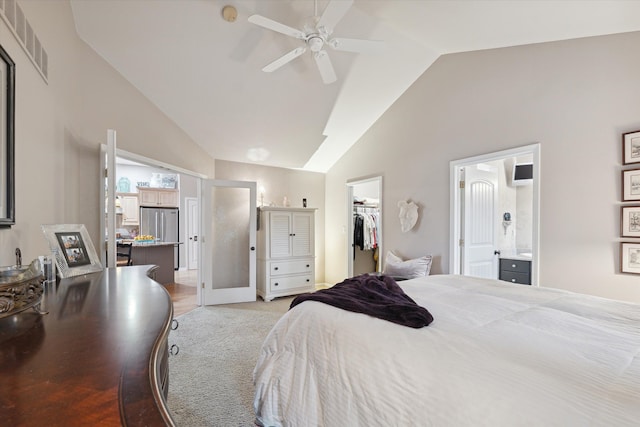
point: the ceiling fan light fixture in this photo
(315, 43)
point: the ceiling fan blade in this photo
(334, 12)
(276, 26)
(284, 59)
(324, 65)
(356, 45)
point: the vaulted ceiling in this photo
(204, 72)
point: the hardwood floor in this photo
(183, 292)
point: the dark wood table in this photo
(99, 357)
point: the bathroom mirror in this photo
(7, 115)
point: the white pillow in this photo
(394, 266)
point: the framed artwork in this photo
(631, 147)
(7, 139)
(72, 248)
(630, 221)
(630, 185)
(630, 257)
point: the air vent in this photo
(10, 11)
(12, 14)
(29, 43)
(20, 20)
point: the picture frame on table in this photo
(631, 185)
(630, 221)
(73, 249)
(631, 147)
(630, 257)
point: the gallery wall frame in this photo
(631, 185)
(631, 147)
(630, 257)
(7, 139)
(72, 248)
(630, 221)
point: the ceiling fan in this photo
(315, 34)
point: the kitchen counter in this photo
(143, 243)
(158, 253)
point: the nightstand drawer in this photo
(509, 276)
(515, 265)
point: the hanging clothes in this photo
(358, 231)
(365, 228)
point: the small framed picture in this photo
(73, 250)
(630, 185)
(631, 147)
(630, 221)
(630, 257)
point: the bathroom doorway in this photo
(495, 212)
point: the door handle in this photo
(195, 238)
(253, 248)
(496, 252)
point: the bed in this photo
(496, 354)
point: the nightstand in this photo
(515, 271)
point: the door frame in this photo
(157, 164)
(350, 185)
(457, 209)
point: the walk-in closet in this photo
(366, 234)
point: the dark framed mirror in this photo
(7, 139)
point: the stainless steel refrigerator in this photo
(162, 223)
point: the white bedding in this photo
(496, 354)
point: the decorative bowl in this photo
(20, 288)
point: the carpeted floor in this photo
(210, 380)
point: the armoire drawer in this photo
(292, 282)
(280, 268)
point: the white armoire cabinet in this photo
(286, 252)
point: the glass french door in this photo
(228, 224)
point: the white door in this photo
(480, 219)
(193, 220)
(228, 234)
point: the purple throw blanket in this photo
(377, 296)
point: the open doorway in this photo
(495, 215)
(133, 173)
(364, 215)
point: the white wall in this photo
(60, 126)
(575, 97)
